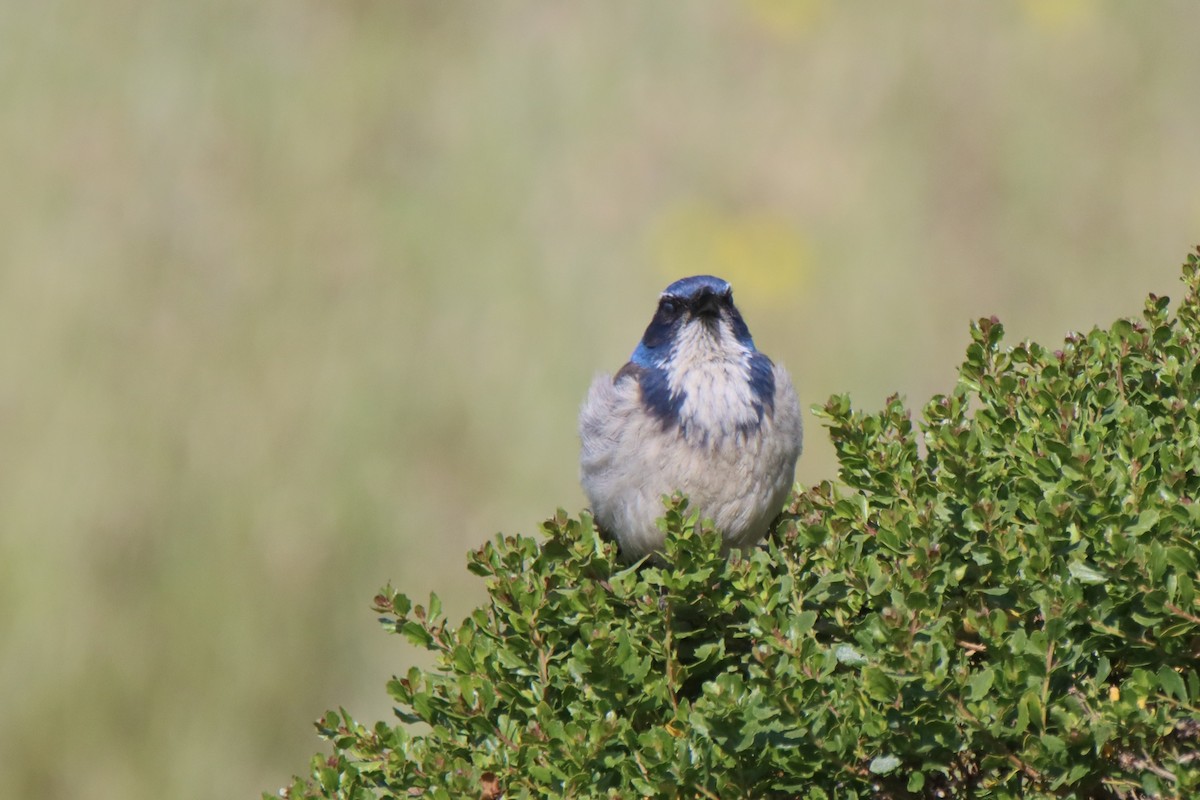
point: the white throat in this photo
(712, 369)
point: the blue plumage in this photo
(762, 383)
(657, 398)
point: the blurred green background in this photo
(301, 297)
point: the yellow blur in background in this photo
(297, 298)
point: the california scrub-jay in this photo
(697, 410)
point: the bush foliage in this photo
(999, 602)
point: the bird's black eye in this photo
(668, 306)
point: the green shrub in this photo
(1007, 611)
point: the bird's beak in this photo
(707, 305)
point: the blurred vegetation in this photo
(998, 602)
(299, 298)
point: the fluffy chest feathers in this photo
(711, 386)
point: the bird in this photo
(696, 410)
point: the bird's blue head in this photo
(696, 323)
(700, 299)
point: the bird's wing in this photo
(630, 370)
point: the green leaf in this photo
(1053, 744)
(980, 684)
(1145, 521)
(878, 685)
(1172, 683)
(1085, 574)
(882, 765)
(803, 622)
(846, 654)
